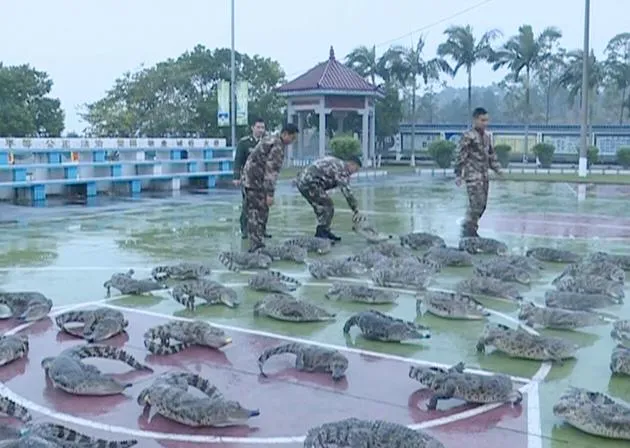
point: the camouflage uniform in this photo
(244, 147)
(313, 182)
(476, 155)
(258, 181)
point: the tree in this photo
(364, 61)
(549, 71)
(388, 115)
(617, 69)
(409, 66)
(525, 52)
(178, 97)
(26, 110)
(466, 51)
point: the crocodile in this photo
(450, 305)
(472, 388)
(426, 374)
(621, 332)
(12, 348)
(236, 261)
(28, 306)
(521, 344)
(285, 252)
(181, 271)
(287, 308)
(336, 267)
(594, 413)
(378, 326)
(127, 285)
(355, 433)
(591, 284)
(604, 269)
(273, 281)
(391, 250)
(370, 257)
(578, 301)
(623, 261)
(402, 275)
(449, 256)
(309, 358)
(480, 245)
(551, 255)
(213, 293)
(312, 244)
(67, 371)
(157, 339)
(557, 318)
(98, 324)
(14, 410)
(169, 396)
(529, 264)
(502, 271)
(348, 292)
(421, 241)
(364, 229)
(50, 435)
(490, 287)
(620, 360)
(425, 265)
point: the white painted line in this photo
(576, 223)
(309, 342)
(534, 425)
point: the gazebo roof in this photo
(329, 77)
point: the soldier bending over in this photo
(258, 181)
(322, 175)
(476, 155)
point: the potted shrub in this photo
(592, 156)
(544, 153)
(345, 146)
(503, 154)
(623, 157)
(442, 152)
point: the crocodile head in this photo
(233, 414)
(36, 311)
(335, 292)
(522, 276)
(215, 338)
(615, 290)
(525, 310)
(338, 366)
(105, 329)
(47, 362)
(229, 298)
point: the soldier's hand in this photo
(269, 201)
(236, 182)
(458, 181)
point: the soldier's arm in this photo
(462, 155)
(344, 185)
(240, 158)
(273, 166)
(493, 159)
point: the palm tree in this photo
(549, 71)
(617, 68)
(466, 51)
(525, 52)
(364, 61)
(571, 79)
(408, 66)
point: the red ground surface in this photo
(560, 225)
(290, 402)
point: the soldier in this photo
(322, 175)
(244, 147)
(476, 155)
(258, 181)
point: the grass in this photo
(611, 179)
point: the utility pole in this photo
(233, 84)
(585, 91)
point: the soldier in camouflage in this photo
(476, 155)
(258, 181)
(244, 147)
(322, 175)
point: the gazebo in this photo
(332, 88)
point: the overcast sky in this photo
(85, 45)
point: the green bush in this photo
(503, 154)
(623, 156)
(344, 147)
(592, 155)
(442, 152)
(544, 152)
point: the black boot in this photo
(267, 235)
(468, 231)
(243, 235)
(320, 232)
(332, 237)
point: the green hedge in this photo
(344, 147)
(544, 152)
(442, 152)
(503, 154)
(623, 156)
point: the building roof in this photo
(332, 77)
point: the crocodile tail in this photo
(159, 273)
(280, 349)
(12, 409)
(283, 278)
(156, 332)
(351, 322)
(109, 352)
(182, 294)
(157, 348)
(70, 316)
(203, 385)
(227, 260)
(61, 433)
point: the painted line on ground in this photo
(571, 189)
(4, 390)
(534, 424)
(520, 221)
